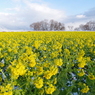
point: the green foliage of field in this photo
(47, 63)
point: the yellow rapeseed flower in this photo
(48, 74)
(91, 77)
(38, 82)
(82, 64)
(50, 89)
(85, 89)
(81, 73)
(58, 62)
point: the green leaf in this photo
(56, 92)
(63, 92)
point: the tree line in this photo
(53, 25)
(46, 25)
(89, 26)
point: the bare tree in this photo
(56, 26)
(46, 25)
(51, 24)
(81, 27)
(86, 27)
(61, 26)
(70, 28)
(76, 29)
(35, 26)
(91, 25)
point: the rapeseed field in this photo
(47, 63)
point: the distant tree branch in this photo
(46, 25)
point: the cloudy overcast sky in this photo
(19, 14)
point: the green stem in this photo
(4, 76)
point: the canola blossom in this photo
(47, 63)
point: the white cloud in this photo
(80, 16)
(13, 9)
(74, 24)
(26, 12)
(3, 28)
(11, 21)
(20, 17)
(41, 11)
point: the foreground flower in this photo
(58, 62)
(17, 70)
(38, 82)
(6, 90)
(81, 73)
(91, 77)
(50, 89)
(48, 74)
(82, 64)
(85, 89)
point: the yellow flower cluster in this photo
(6, 90)
(50, 89)
(81, 72)
(49, 73)
(85, 89)
(38, 82)
(81, 59)
(17, 69)
(58, 62)
(36, 62)
(91, 76)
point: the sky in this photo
(19, 14)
